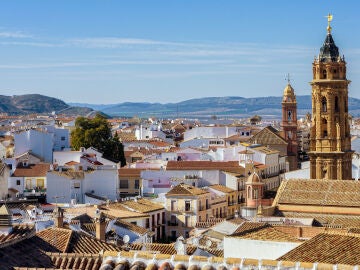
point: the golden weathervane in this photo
(329, 19)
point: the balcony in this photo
(33, 192)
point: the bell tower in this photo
(289, 124)
(330, 147)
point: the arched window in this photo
(249, 192)
(324, 74)
(336, 104)
(289, 116)
(324, 104)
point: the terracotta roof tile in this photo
(328, 248)
(141, 205)
(130, 172)
(132, 227)
(268, 136)
(187, 190)
(18, 232)
(222, 188)
(319, 192)
(267, 234)
(33, 170)
(202, 165)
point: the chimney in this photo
(100, 225)
(58, 215)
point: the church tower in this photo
(330, 147)
(289, 124)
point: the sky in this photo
(111, 51)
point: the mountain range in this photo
(228, 107)
(267, 107)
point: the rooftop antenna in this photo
(287, 78)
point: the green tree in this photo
(96, 132)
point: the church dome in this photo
(253, 178)
(289, 94)
(329, 52)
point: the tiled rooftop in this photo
(268, 136)
(328, 220)
(201, 165)
(33, 170)
(267, 234)
(161, 248)
(222, 188)
(141, 205)
(129, 172)
(185, 190)
(18, 232)
(132, 227)
(319, 192)
(330, 248)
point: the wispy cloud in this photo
(44, 65)
(31, 43)
(15, 34)
(115, 42)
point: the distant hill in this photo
(35, 103)
(268, 107)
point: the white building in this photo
(67, 185)
(42, 142)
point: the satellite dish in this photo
(126, 239)
(208, 243)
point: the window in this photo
(324, 104)
(18, 182)
(187, 234)
(147, 223)
(133, 222)
(289, 116)
(187, 221)
(173, 205)
(324, 74)
(136, 185)
(124, 184)
(187, 206)
(63, 138)
(76, 185)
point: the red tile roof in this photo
(201, 165)
(33, 170)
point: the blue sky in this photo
(169, 51)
